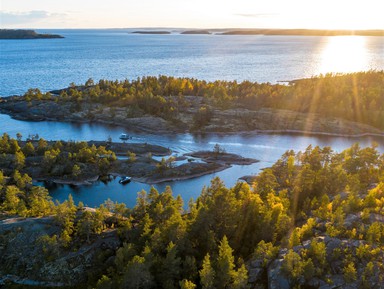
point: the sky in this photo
(324, 14)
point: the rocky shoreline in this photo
(229, 121)
(142, 168)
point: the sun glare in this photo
(344, 54)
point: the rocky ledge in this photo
(222, 158)
(24, 259)
(327, 259)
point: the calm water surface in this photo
(266, 148)
(116, 54)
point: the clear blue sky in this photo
(326, 14)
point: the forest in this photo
(357, 97)
(286, 218)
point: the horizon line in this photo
(199, 28)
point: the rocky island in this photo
(169, 105)
(25, 34)
(80, 163)
(196, 32)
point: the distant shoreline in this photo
(31, 34)
(151, 32)
(25, 34)
(265, 32)
(304, 32)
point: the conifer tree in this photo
(225, 264)
(207, 274)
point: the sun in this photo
(343, 54)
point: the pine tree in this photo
(240, 278)
(19, 160)
(207, 274)
(186, 284)
(225, 264)
(171, 267)
(137, 274)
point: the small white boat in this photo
(125, 180)
(124, 136)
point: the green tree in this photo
(186, 284)
(225, 264)
(42, 146)
(28, 149)
(292, 267)
(240, 278)
(171, 267)
(65, 217)
(19, 160)
(265, 252)
(22, 181)
(85, 226)
(374, 232)
(105, 283)
(76, 171)
(136, 274)
(317, 251)
(349, 272)
(50, 158)
(207, 274)
(40, 202)
(13, 200)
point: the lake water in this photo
(264, 147)
(115, 54)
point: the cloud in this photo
(30, 17)
(257, 15)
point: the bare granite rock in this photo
(23, 261)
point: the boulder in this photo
(276, 280)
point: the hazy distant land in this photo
(304, 32)
(196, 32)
(248, 31)
(151, 32)
(25, 34)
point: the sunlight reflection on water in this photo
(344, 54)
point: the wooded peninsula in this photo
(345, 104)
(25, 34)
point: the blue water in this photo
(116, 54)
(263, 147)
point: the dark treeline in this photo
(208, 244)
(357, 96)
(24, 34)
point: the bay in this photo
(266, 148)
(50, 64)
